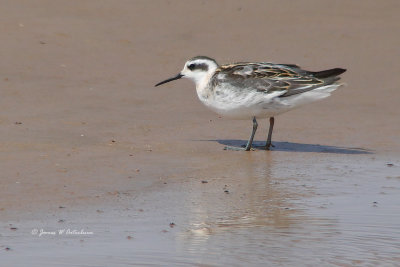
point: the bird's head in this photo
(196, 69)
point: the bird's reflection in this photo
(243, 193)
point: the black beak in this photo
(170, 79)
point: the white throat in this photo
(203, 86)
(200, 70)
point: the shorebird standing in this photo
(248, 90)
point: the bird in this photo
(256, 90)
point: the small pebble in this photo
(172, 225)
(61, 207)
(129, 237)
(390, 164)
(204, 182)
(13, 228)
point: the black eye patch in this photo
(202, 66)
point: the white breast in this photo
(238, 104)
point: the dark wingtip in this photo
(340, 70)
(328, 73)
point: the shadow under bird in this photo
(248, 90)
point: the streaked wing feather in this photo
(268, 77)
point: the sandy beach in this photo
(100, 168)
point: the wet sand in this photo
(89, 144)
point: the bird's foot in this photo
(235, 148)
(268, 146)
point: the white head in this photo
(198, 69)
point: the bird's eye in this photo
(191, 66)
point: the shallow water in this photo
(338, 211)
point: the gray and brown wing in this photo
(269, 78)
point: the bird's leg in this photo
(250, 142)
(271, 127)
